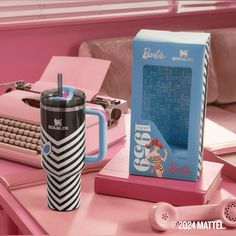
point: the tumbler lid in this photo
(70, 98)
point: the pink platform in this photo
(114, 179)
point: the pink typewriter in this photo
(20, 113)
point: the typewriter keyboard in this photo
(20, 136)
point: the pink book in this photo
(220, 146)
(114, 179)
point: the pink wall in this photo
(25, 51)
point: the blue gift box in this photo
(169, 86)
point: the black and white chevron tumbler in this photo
(63, 144)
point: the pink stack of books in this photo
(220, 146)
(114, 179)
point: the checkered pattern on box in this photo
(166, 101)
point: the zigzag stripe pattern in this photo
(204, 98)
(64, 196)
(64, 165)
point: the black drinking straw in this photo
(59, 84)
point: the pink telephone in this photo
(163, 215)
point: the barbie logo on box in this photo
(168, 103)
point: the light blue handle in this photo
(102, 135)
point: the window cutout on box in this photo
(166, 102)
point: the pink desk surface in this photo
(97, 215)
(8, 167)
(103, 215)
(7, 201)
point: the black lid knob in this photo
(115, 114)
